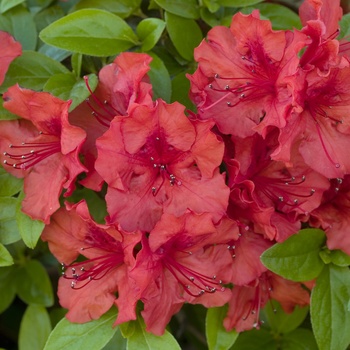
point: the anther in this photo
(227, 87)
(229, 104)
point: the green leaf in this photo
(45, 17)
(127, 329)
(116, 342)
(6, 5)
(54, 52)
(7, 287)
(8, 226)
(330, 316)
(19, 22)
(212, 5)
(149, 31)
(183, 8)
(282, 322)
(33, 284)
(141, 339)
(184, 44)
(9, 185)
(299, 339)
(238, 3)
(30, 230)
(5, 256)
(217, 336)
(122, 8)
(297, 258)
(261, 339)
(339, 258)
(180, 87)
(31, 71)
(35, 328)
(280, 16)
(344, 26)
(76, 61)
(160, 78)
(90, 32)
(5, 114)
(91, 335)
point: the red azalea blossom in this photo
(87, 288)
(44, 152)
(321, 131)
(122, 84)
(333, 215)
(10, 49)
(181, 260)
(162, 162)
(245, 78)
(247, 301)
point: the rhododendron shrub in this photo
(171, 184)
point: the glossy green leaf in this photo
(54, 52)
(5, 257)
(91, 335)
(297, 258)
(217, 336)
(238, 3)
(344, 26)
(299, 339)
(127, 329)
(339, 258)
(184, 44)
(8, 226)
(9, 185)
(30, 230)
(282, 322)
(330, 316)
(222, 17)
(261, 339)
(31, 70)
(141, 339)
(35, 328)
(160, 78)
(19, 22)
(183, 8)
(122, 8)
(60, 85)
(6, 5)
(212, 5)
(180, 86)
(7, 287)
(280, 16)
(149, 31)
(47, 16)
(90, 32)
(34, 285)
(116, 342)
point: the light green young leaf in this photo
(217, 336)
(91, 32)
(8, 226)
(5, 114)
(6, 5)
(182, 8)
(122, 8)
(33, 284)
(31, 70)
(330, 316)
(5, 257)
(60, 85)
(91, 335)
(35, 328)
(281, 322)
(9, 185)
(339, 258)
(149, 31)
(297, 258)
(184, 44)
(344, 26)
(160, 78)
(142, 340)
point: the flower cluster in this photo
(193, 199)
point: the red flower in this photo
(269, 193)
(161, 162)
(44, 152)
(245, 77)
(181, 260)
(333, 215)
(10, 49)
(122, 84)
(321, 131)
(247, 301)
(87, 288)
